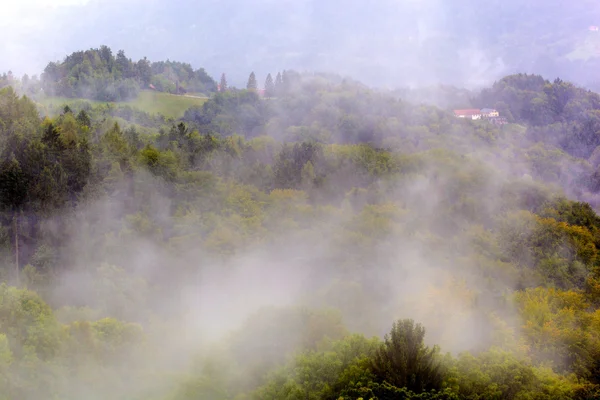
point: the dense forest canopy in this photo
(99, 75)
(327, 241)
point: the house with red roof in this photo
(469, 113)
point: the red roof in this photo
(469, 112)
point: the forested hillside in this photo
(332, 242)
(97, 74)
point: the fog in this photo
(385, 43)
(234, 291)
(192, 303)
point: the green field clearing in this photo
(169, 105)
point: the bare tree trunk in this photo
(16, 229)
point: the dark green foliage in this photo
(231, 112)
(14, 184)
(84, 119)
(558, 112)
(386, 391)
(405, 362)
(290, 162)
(590, 392)
(48, 170)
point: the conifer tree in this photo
(223, 83)
(404, 361)
(269, 86)
(252, 85)
(285, 82)
(278, 83)
(84, 119)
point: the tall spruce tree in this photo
(269, 86)
(278, 84)
(252, 85)
(223, 84)
(285, 82)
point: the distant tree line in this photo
(281, 85)
(99, 75)
(556, 112)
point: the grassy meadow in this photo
(152, 102)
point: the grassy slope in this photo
(169, 105)
(149, 101)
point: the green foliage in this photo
(386, 391)
(97, 74)
(561, 253)
(28, 324)
(498, 374)
(322, 374)
(405, 362)
(228, 113)
(559, 112)
(355, 199)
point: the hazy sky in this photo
(29, 32)
(383, 42)
(231, 36)
(18, 16)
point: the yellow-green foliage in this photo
(560, 327)
(28, 323)
(498, 374)
(558, 251)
